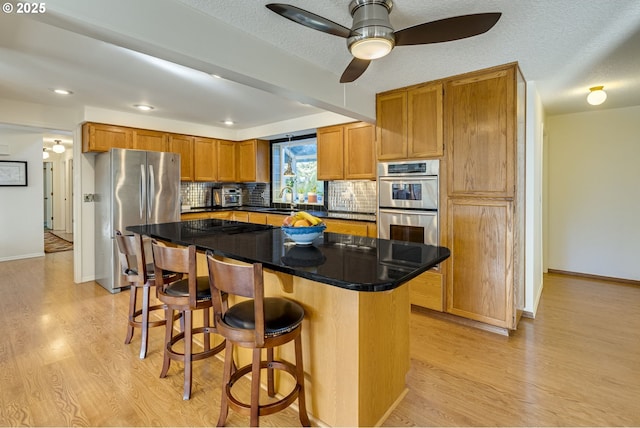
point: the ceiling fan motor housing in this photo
(370, 23)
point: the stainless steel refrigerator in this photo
(132, 187)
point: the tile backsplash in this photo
(358, 196)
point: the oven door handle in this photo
(408, 212)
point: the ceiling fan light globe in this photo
(371, 48)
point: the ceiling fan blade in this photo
(446, 30)
(354, 70)
(309, 19)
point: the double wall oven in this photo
(408, 201)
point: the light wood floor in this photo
(63, 361)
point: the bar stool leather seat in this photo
(281, 316)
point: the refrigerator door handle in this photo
(142, 194)
(151, 193)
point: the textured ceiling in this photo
(564, 46)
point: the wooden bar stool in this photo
(141, 276)
(259, 323)
(185, 296)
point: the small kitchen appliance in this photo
(226, 196)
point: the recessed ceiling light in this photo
(143, 107)
(228, 122)
(62, 91)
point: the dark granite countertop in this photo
(352, 262)
(345, 215)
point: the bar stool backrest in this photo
(132, 261)
(181, 260)
(244, 280)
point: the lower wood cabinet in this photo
(426, 290)
(348, 227)
(480, 276)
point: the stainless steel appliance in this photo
(133, 187)
(408, 201)
(226, 196)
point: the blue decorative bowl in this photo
(304, 235)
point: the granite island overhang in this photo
(356, 328)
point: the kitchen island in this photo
(356, 328)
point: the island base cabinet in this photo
(480, 279)
(355, 349)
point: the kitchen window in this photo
(295, 170)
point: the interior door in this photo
(48, 194)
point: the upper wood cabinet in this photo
(346, 152)
(410, 122)
(359, 151)
(226, 161)
(144, 139)
(253, 161)
(481, 150)
(183, 145)
(205, 159)
(97, 137)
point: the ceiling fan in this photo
(371, 35)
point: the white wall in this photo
(21, 208)
(594, 192)
(534, 203)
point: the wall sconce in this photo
(596, 95)
(57, 147)
(45, 153)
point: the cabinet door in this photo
(391, 114)
(425, 122)
(480, 273)
(359, 152)
(149, 140)
(253, 161)
(205, 166)
(183, 145)
(480, 138)
(97, 137)
(226, 161)
(330, 153)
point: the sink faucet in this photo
(284, 189)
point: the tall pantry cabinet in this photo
(484, 128)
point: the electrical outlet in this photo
(88, 197)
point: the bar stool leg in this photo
(188, 342)
(145, 322)
(229, 366)
(302, 405)
(255, 387)
(271, 390)
(132, 309)
(166, 362)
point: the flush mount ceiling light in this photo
(228, 122)
(596, 95)
(143, 107)
(61, 91)
(45, 153)
(57, 147)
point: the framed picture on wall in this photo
(13, 173)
